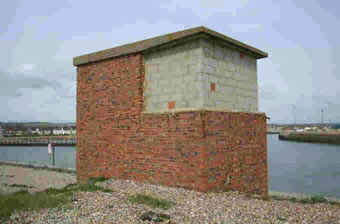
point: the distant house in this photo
(28, 131)
(10, 132)
(35, 131)
(58, 131)
(18, 132)
(337, 126)
(1, 131)
(67, 130)
(45, 131)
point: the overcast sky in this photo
(38, 40)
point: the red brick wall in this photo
(109, 102)
(196, 150)
(236, 149)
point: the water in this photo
(303, 167)
(64, 156)
(292, 166)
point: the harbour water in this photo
(309, 168)
(293, 167)
(65, 156)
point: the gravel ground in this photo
(189, 207)
(36, 179)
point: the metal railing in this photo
(37, 141)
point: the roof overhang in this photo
(168, 39)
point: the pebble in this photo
(187, 207)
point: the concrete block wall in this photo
(234, 75)
(200, 74)
(171, 76)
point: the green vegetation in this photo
(25, 200)
(312, 200)
(277, 198)
(46, 199)
(149, 200)
(293, 199)
(19, 185)
(281, 218)
(155, 217)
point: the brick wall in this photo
(236, 151)
(201, 150)
(109, 101)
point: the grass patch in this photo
(282, 219)
(277, 198)
(25, 200)
(314, 199)
(18, 185)
(318, 199)
(334, 203)
(293, 199)
(149, 200)
(304, 201)
(46, 199)
(155, 217)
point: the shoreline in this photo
(38, 167)
(311, 137)
(285, 195)
(117, 203)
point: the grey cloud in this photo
(11, 85)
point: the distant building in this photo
(337, 126)
(1, 131)
(45, 131)
(67, 131)
(9, 132)
(18, 132)
(58, 131)
(35, 132)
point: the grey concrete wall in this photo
(171, 75)
(184, 73)
(235, 78)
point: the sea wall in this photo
(330, 138)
